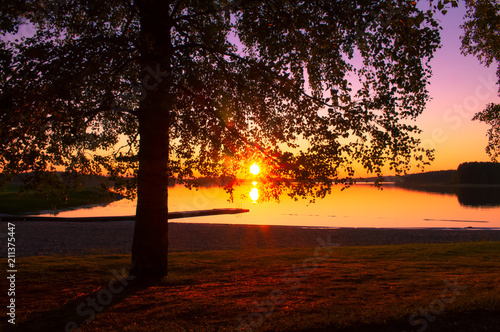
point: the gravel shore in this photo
(35, 238)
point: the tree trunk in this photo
(150, 244)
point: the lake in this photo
(361, 205)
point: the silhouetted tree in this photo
(491, 116)
(157, 89)
(482, 39)
(478, 173)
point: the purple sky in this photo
(460, 87)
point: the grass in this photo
(353, 289)
(14, 202)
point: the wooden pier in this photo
(171, 215)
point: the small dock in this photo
(171, 215)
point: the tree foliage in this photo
(482, 39)
(73, 89)
(481, 26)
(179, 89)
(491, 116)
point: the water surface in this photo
(362, 205)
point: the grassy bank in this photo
(442, 286)
(14, 202)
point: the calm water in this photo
(361, 205)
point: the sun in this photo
(254, 194)
(254, 169)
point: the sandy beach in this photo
(35, 238)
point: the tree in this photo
(491, 116)
(482, 39)
(152, 90)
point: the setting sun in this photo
(254, 169)
(254, 194)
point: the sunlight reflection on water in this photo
(361, 205)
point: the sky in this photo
(460, 87)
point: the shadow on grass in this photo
(82, 310)
(469, 321)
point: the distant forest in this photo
(478, 173)
(466, 173)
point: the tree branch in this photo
(176, 7)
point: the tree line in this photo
(466, 173)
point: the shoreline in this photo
(43, 238)
(193, 214)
